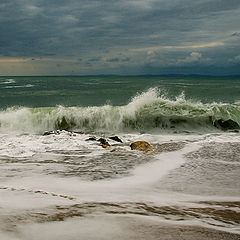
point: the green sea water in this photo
(119, 104)
(115, 90)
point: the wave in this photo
(19, 86)
(147, 112)
(8, 81)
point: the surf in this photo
(148, 111)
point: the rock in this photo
(104, 143)
(57, 132)
(141, 146)
(48, 133)
(226, 125)
(102, 140)
(51, 132)
(116, 138)
(91, 139)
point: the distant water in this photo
(60, 186)
(96, 91)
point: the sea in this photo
(57, 182)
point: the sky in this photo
(126, 37)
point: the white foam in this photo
(8, 81)
(143, 177)
(139, 187)
(152, 172)
(20, 86)
(29, 145)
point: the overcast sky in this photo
(55, 37)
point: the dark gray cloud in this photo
(118, 36)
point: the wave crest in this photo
(148, 111)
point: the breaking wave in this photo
(148, 111)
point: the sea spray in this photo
(148, 111)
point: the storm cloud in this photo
(121, 37)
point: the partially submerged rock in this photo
(102, 140)
(116, 138)
(141, 146)
(226, 125)
(58, 132)
(91, 139)
(104, 143)
(51, 133)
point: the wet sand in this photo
(110, 227)
(152, 230)
(48, 204)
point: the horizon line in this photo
(127, 75)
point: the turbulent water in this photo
(57, 184)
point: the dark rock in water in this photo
(104, 143)
(91, 139)
(141, 146)
(48, 133)
(116, 138)
(102, 140)
(57, 132)
(51, 132)
(226, 125)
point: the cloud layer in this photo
(122, 37)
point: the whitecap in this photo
(8, 81)
(19, 86)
